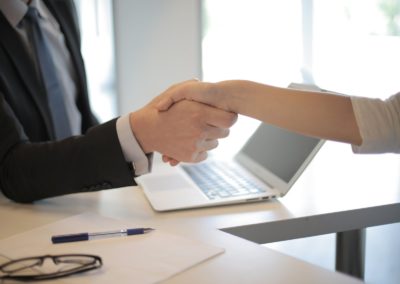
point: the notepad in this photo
(148, 258)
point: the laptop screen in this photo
(282, 152)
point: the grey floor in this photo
(382, 261)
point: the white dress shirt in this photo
(14, 11)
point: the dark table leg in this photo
(350, 252)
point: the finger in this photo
(201, 156)
(173, 162)
(168, 158)
(216, 133)
(166, 103)
(220, 118)
(208, 145)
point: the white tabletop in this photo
(242, 262)
(340, 191)
(325, 199)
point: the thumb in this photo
(165, 104)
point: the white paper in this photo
(147, 258)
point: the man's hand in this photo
(191, 90)
(183, 133)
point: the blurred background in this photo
(135, 49)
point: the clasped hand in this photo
(184, 131)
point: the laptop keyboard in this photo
(221, 180)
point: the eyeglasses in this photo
(37, 268)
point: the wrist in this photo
(140, 127)
(229, 93)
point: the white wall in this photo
(157, 43)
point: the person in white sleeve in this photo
(369, 125)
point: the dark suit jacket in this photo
(33, 167)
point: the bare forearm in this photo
(324, 115)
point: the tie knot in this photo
(32, 14)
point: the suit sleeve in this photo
(33, 171)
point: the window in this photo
(96, 25)
(348, 46)
(251, 39)
(356, 46)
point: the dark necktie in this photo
(49, 75)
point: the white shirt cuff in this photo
(131, 148)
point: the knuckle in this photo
(193, 148)
(228, 119)
(222, 132)
(201, 157)
(215, 144)
(200, 134)
(225, 133)
(232, 119)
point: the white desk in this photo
(313, 206)
(340, 191)
(242, 262)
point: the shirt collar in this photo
(15, 10)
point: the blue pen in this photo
(99, 235)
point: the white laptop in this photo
(266, 167)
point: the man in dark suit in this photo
(35, 160)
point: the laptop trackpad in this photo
(171, 190)
(168, 182)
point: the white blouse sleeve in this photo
(379, 124)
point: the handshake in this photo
(183, 123)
